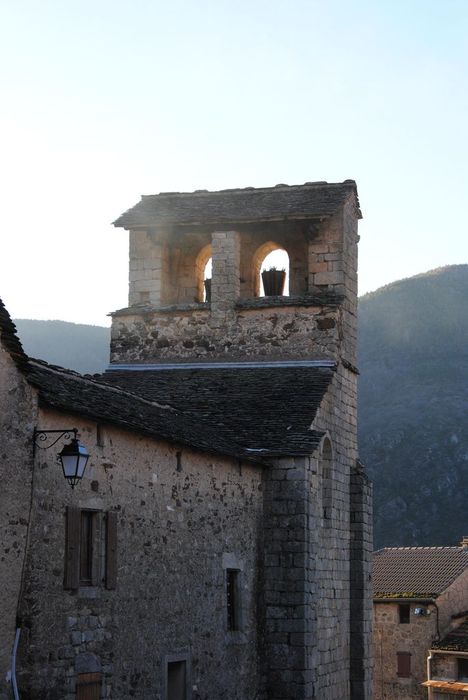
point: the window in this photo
(91, 548)
(462, 669)
(404, 613)
(88, 686)
(233, 599)
(176, 680)
(403, 664)
(177, 683)
(326, 469)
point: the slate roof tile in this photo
(315, 200)
(266, 409)
(71, 392)
(420, 571)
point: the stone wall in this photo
(286, 332)
(361, 584)
(17, 421)
(307, 568)
(183, 518)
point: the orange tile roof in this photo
(417, 571)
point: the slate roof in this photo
(10, 339)
(313, 200)
(416, 571)
(268, 409)
(456, 640)
(248, 414)
(71, 392)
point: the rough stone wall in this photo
(182, 519)
(390, 637)
(17, 421)
(361, 584)
(278, 332)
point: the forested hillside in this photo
(72, 345)
(413, 405)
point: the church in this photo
(216, 543)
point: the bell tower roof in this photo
(312, 200)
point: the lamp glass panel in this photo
(82, 460)
(69, 465)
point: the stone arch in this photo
(327, 474)
(257, 261)
(202, 259)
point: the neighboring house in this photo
(447, 668)
(219, 543)
(417, 591)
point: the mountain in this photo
(413, 407)
(73, 345)
(413, 399)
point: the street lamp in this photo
(73, 456)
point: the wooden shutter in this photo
(72, 547)
(96, 573)
(403, 664)
(111, 550)
(88, 686)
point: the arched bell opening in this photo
(271, 270)
(203, 266)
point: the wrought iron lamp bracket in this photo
(41, 436)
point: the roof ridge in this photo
(243, 190)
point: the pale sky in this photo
(106, 100)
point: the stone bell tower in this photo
(173, 235)
(314, 606)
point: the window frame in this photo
(99, 529)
